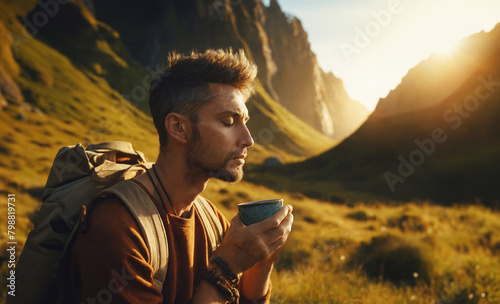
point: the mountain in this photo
(444, 74)
(434, 137)
(69, 76)
(63, 63)
(277, 42)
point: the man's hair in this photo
(183, 86)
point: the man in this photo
(198, 107)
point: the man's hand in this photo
(244, 246)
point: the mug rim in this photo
(262, 202)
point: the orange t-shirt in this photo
(111, 262)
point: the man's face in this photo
(218, 146)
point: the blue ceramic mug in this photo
(253, 212)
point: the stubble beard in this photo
(203, 165)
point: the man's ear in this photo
(178, 127)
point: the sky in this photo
(371, 44)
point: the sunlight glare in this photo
(445, 49)
(410, 35)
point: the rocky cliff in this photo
(288, 69)
(67, 76)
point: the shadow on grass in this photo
(393, 259)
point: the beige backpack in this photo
(78, 176)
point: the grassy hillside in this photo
(63, 105)
(379, 253)
(95, 47)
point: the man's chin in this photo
(233, 176)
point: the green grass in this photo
(462, 242)
(460, 245)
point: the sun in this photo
(445, 48)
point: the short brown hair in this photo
(183, 86)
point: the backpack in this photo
(76, 178)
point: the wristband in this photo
(228, 290)
(230, 275)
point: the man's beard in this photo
(202, 164)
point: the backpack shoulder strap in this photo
(152, 228)
(210, 221)
(150, 223)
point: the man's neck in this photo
(182, 191)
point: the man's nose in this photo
(246, 139)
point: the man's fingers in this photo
(275, 220)
(276, 245)
(244, 246)
(281, 231)
(282, 237)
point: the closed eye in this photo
(229, 121)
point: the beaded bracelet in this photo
(228, 290)
(232, 277)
